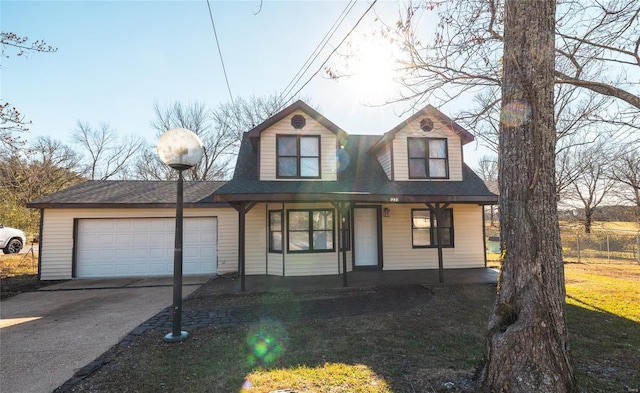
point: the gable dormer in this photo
(297, 144)
(425, 147)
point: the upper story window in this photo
(428, 158)
(298, 156)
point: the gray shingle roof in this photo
(113, 193)
(362, 180)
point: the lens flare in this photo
(342, 158)
(515, 113)
(266, 342)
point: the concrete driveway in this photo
(47, 335)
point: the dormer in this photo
(297, 144)
(425, 147)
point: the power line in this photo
(224, 69)
(318, 49)
(330, 54)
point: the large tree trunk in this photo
(588, 218)
(526, 347)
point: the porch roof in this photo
(362, 180)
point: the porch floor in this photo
(366, 279)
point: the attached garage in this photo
(130, 247)
(118, 228)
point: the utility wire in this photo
(316, 52)
(224, 70)
(330, 54)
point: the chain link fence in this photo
(600, 246)
(613, 247)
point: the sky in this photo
(116, 59)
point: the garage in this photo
(132, 247)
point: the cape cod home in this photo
(306, 198)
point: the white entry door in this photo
(365, 234)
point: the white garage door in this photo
(130, 247)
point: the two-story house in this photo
(317, 200)
(306, 198)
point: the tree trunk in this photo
(526, 348)
(588, 218)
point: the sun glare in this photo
(373, 68)
(4, 323)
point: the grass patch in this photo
(433, 347)
(18, 273)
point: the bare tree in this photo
(625, 172)
(488, 171)
(12, 121)
(527, 345)
(107, 154)
(218, 146)
(220, 130)
(592, 182)
(597, 58)
(597, 48)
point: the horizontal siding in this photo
(400, 151)
(227, 240)
(384, 158)
(328, 142)
(399, 253)
(275, 264)
(256, 240)
(311, 264)
(57, 235)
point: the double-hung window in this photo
(428, 158)
(310, 230)
(424, 228)
(298, 156)
(275, 231)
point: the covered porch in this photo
(367, 279)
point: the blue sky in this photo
(116, 59)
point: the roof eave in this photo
(355, 197)
(188, 205)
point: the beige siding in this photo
(328, 142)
(400, 151)
(399, 254)
(384, 158)
(256, 240)
(57, 240)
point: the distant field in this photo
(603, 226)
(596, 225)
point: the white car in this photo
(11, 240)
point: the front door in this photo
(365, 236)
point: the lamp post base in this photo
(170, 338)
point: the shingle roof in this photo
(298, 105)
(465, 136)
(363, 179)
(114, 193)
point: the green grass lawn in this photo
(434, 347)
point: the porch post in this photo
(342, 208)
(438, 210)
(242, 208)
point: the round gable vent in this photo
(426, 124)
(298, 121)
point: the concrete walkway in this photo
(47, 335)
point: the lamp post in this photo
(180, 149)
